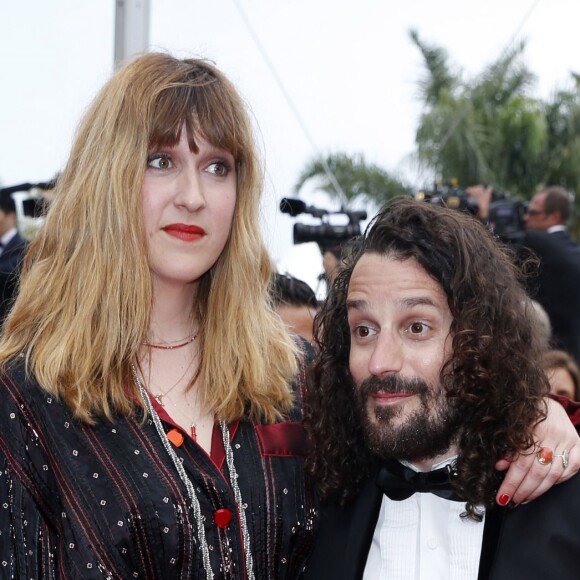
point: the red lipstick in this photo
(185, 232)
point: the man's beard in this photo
(427, 432)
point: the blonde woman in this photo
(151, 397)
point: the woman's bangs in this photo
(173, 109)
(218, 119)
(205, 110)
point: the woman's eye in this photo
(219, 168)
(159, 161)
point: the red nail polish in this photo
(503, 499)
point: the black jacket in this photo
(106, 501)
(10, 266)
(557, 285)
(535, 541)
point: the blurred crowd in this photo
(552, 281)
(552, 265)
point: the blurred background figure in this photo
(296, 304)
(563, 374)
(556, 285)
(330, 263)
(543, 321)
(12, 249)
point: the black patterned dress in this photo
(107, 502)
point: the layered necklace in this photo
(170, 346)
(159, 397)
(193, 499)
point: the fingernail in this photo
(503, 499)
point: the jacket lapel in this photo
(491, 532)
(365, 513)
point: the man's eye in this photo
(418, 328)
(219, 168)
(159, 161)
(362, 331)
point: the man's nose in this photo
(387, 355)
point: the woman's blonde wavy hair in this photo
(84, 304)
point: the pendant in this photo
(159, 399)
(193, 432)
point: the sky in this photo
(319, 77)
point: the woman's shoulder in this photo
(24, 402)
(16, 379)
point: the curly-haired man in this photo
(428, 374)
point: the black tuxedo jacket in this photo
(536, 541)
(557, 286)
(10, 265)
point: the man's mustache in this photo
(393, 383)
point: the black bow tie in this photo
(399, 482)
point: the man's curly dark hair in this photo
(492, 376)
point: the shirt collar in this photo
(556, 228)
(435, 466)
(5, 239)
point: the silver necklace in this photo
(238, 498)
(194, 501)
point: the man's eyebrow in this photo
(357, 305)
(417, 301)
(363, 305)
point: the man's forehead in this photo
(379, 278)
(539, 198)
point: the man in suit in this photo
(556, 285)
(12, 249)
(428, 373)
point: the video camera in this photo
(27, 202)
(328, 236)
(506, 216)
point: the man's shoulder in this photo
(17, 242)
(565, 495)
(556, 510)
(533, 534)
(542, 237)
(13, 252)
(556, 246)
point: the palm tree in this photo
(346, 178)
(482, 130)
(487, 129)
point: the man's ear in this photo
(555, 218)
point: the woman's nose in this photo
(190, 193)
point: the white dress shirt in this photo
(424, 538)
(6, 238)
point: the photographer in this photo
(558, 277)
